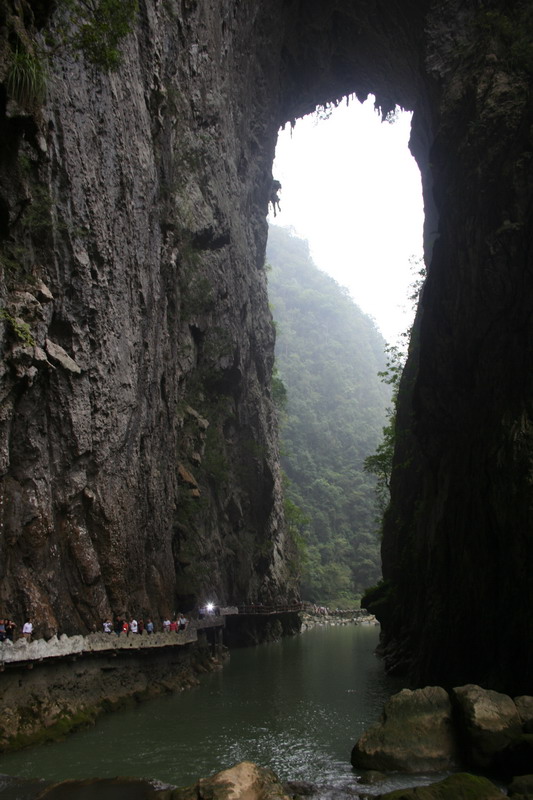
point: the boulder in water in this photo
(244, 781)
(521, 788)
(524, 706)
(488, 723)
(414, 735)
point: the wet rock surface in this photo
(414, 735)
(428, 731)
(489, 722)
(461, 786)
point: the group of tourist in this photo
(8, 628)
(139, 626)
(121, 625)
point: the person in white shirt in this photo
(133, 626)
(27, 629)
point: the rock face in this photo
(138, 444)
(415, 734)
(489, 721)
(137, 335)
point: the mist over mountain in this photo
(328, 355)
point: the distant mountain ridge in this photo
(328, 354)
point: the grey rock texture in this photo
(488, 720)
(138, 200)
(415, 734)
(431, 730)
(139, 441)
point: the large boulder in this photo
(488, 722)
(414, 734)
(521, 788)
(524, 706)
(244, 781)
(461, 786)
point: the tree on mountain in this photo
(328, 355)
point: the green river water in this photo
(296, 706)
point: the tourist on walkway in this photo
(107, 626)
(149, 626)
(27, 630)
(10, 629)
(166, 625)
(134, 628)
(3, 634)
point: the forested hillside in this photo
(328, 355)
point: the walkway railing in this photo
(64, 646)
(293, 608)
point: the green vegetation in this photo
(96, 28)
(21, 329)
(25, 81)
(380, 463)
(328, 354)
(509, 34)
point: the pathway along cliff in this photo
(287, 705)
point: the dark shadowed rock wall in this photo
(139, 457)
(458, 545)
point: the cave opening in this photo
(352, 189)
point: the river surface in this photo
(296, 706)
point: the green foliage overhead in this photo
(328, 355)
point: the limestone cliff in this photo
(139, 456)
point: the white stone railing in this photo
(63, 646)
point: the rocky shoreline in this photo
(353, 616)
(432, 730)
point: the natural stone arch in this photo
(166, 167)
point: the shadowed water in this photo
(296, 706)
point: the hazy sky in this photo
(352, 189)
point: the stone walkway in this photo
(22, 651)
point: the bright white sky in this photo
(352, 189)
